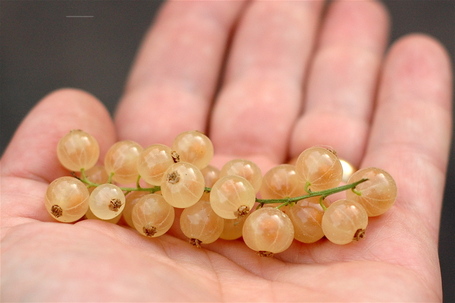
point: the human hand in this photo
(293, 79)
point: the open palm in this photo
(295, 76)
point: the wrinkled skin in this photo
(264, 80)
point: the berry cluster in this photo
(268, 211)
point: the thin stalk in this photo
(283, 202)
(152, 190)
(322, 193)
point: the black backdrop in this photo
(41, 49)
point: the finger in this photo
(411, 133)
(261, 92)
(175, 75)
(32, 153)
(342, 81)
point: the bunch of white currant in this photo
(269, 211)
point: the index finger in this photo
(175, 74)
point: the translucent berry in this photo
(66, 199)
(121, 160)
(344, 221)
(211, 175)
(97, 174)
(78, 150)
(306, 216)
(282, 181)
(348, 170)
(377, 194)
(201, 224)
(243, 168)
(182, 185)
(153, 162)
(130, 200)
(107, 201)
(320, 168)
(193, 147)
(268, 231)
(152, 216)
(233, 228)
(232, 197)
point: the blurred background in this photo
(42, 49)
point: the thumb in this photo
(32, 152)
(30, 161)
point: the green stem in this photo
(356, 192)
(152, 190)
(321, 202)
(322, 193)
(283, 202)
(110, 178)
(138, 185)
(84, 179)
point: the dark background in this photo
(41, 49)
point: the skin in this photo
(303, 77)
